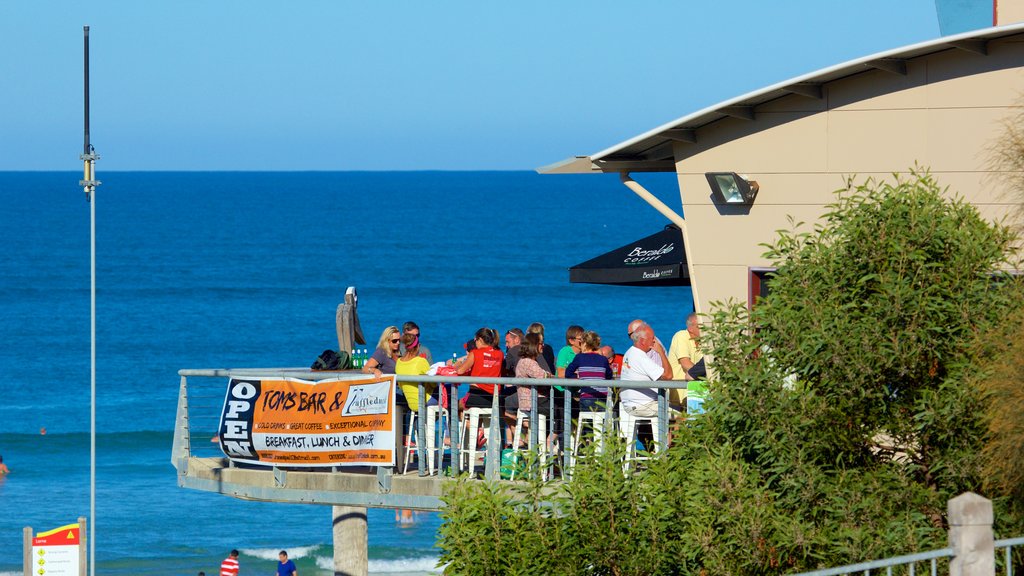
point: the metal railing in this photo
(910, 562)
(1007, 545)
(199, 412)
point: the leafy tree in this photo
(877, 313)
(1002, 384)
(844, 413)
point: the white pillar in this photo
(970, 536)
(350, 541)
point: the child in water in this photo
(3, 467)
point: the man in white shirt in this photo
(637, 366)
(652, 353)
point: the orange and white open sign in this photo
(291, 422)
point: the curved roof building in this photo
(940, 104)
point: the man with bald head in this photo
(684, 353)
(637, 366)
(652, 354)
(615, 360)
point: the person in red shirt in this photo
(615, 360)
(484, 360)
(229, 567)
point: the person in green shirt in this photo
(573, 342)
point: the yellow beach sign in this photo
(57, 552)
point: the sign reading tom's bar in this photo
(291, 422)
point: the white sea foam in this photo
(415, 565)
(420, 565)
(426, 565)
(271, 553)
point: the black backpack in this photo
(331, 360)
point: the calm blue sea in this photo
(243, 269)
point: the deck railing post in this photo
(551, 431)
(181, 448)
(421, 431)
(534, 431)
(970, 536)
(455, 429)
(566, 430)
(662, 420)
(493, 438)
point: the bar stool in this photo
(595, 422)
(542, 435)
(474, 419)
(433, 413)
(629, 426)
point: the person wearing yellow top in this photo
(412, 364)
(683, 353)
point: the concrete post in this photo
(970, 536)
(83, 547)
(349, 522)
(350, 541)
(26, 545)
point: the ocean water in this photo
(241, 269)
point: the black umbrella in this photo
(657, 260)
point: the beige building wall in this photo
(1008, 11)
(944, 114)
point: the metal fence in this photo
(928, 563)
(908, 564)
(199, 405)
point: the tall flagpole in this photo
(89, 184)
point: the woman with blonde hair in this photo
(386, 354)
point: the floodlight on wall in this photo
(731, 188)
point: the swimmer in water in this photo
(3, 467)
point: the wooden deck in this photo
(359, 487)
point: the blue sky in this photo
(343, 85)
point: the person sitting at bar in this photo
(386, 354)
(638, 367)
(615, 360)
(411, 327)
(547, 356)
(590, 365)
(527, 367)
(483, 360)
(414, 364)
(573, 339)
(513, 339)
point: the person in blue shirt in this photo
(286, 567)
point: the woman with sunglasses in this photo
(386, 354)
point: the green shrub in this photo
(843, 414)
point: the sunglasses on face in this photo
(395, 341)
